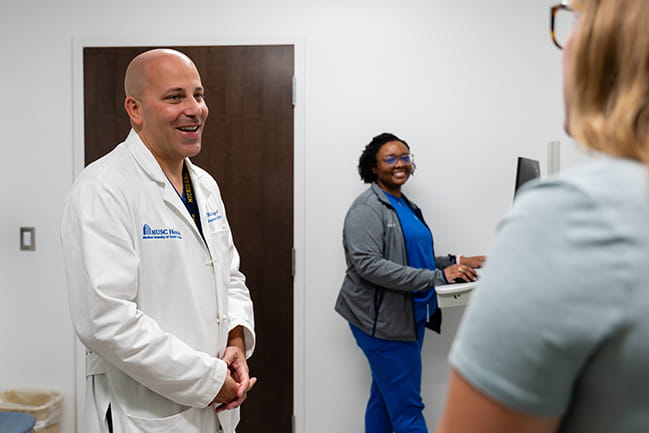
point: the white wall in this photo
(470, 84)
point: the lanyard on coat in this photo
(189, 200)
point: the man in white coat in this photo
(155, 290)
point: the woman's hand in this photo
(467, 273)
(472, 262)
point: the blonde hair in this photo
(609, 77)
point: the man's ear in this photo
(133, 109)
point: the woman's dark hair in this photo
(367, 161)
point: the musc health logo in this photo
(149, 233)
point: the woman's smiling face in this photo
(391, 177)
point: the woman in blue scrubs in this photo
(388, 293)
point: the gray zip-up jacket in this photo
(376, 293)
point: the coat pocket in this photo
(191, 420)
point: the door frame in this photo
(299, 182)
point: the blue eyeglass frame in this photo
(392, 160)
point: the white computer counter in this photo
(454, 295)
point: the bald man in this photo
(154, 286)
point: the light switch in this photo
(27, 239)
(554, 156)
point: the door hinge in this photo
(293, 262)
(293, 90)
(292, 423)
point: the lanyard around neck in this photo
(189, 199)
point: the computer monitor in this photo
(526, 170)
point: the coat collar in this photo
(149, 164)
(145, 159)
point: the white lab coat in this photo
(150, 301)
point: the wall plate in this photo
(28, 239)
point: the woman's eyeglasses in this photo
(562, 20)
(392, 160)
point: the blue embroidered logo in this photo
(213, 216)
(149, 233)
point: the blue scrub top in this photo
(419, 245)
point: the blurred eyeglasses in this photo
(562, 20)
(392, 160)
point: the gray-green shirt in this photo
(559, 325)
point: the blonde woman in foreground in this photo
(555, 338)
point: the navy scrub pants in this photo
(395, 403)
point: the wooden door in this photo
(248, 148)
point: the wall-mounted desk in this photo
(454, 295)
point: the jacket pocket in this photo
(191, 420)
(219, 244)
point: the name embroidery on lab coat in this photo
(213, 216)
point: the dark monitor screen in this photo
(526, 170)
